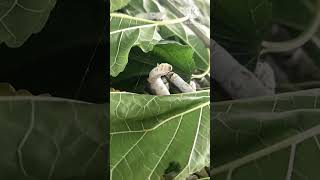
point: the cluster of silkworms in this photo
(162, 75)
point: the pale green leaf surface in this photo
(19, 19)
(118, 4)
(181, 56)
(148, 132)
(51, 138)
(126, 32)
(267, 137)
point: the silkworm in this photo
(179, 82)
(155, 81)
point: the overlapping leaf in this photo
(126, 32)
(20, 19)
(52, 138)
(267, 137)
(148, 132)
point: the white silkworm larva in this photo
(156, 83)
(193, 84)
(179, 82)
(166, 82)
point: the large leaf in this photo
(180, 56)
(126, 32)
(267, 137)
(148, 133)
(52, 138)
(20, 19)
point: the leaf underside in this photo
(150, 132)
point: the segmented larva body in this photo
(180, 83)
(159, 84)
(156, 83)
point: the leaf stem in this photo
(159, 23)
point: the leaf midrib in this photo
(151, 23)
(165, 120)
